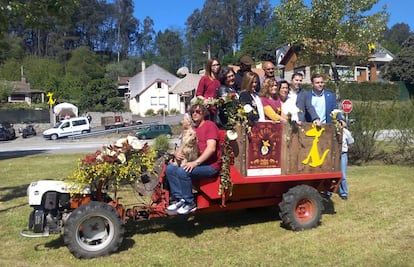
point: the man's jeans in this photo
(343, 187)
(180, 180)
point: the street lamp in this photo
(208, 52)
(163, 113)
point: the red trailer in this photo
(275, 164)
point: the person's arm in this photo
(310, 109)
(271, 113)
(200, 87)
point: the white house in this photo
(150, 89)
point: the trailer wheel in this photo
(93, 230)
(301, 208)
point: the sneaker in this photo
(175, 206)
(344, 197)
(187, 208)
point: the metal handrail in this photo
(115, 130)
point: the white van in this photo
(68, 127)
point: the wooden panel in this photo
(289, 150)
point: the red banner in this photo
(265, 146)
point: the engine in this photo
(51, 207)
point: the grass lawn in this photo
(375, 227)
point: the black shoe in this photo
(344, 197)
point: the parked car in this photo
(68, 127)
(7, 131)
(153, 131)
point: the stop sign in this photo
(347, 106)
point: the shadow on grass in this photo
(195, 224)
(11, 192)
(189, 226)
(20, 153)
(328, 205)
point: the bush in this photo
(174, 111)
(149, 112)
(371, 119)
(161, 144)
(162, 112)
(368, 91)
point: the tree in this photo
(5, 90)
(401, 68)
(398, 33)
(38, 71)
(100, 94)
(126, 26)
(84, 64)
(326, 28)
(169, 50)
(394, 37)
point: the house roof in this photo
(259, 71)
(123, 80)
(381, 54)
(186, 84)
(22, 87)
(143, 80)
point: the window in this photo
(162, 101)
(154, 100)
(79, 122)
(159, 85)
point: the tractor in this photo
(275, 164)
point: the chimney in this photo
(142, 65)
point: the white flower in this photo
(136, 144)
(122, 157)
(335, 112)
(120, 142)
(231, 135)
(247, 108)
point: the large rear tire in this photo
(93, 230)
(301, 208)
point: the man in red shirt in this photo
(206, 165)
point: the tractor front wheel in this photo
(301, 208)
(93, 230)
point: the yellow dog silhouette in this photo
(313, 155)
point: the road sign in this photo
(347, 106)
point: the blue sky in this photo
(173, 13)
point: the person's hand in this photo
(189, 166)
(178, 155)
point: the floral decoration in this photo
(225, 180)
(123, 162)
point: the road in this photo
(38, 145)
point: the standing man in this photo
(302, 99)
(206, 165)
(323, 101)
(269, 72)
(246, 63)
(347, 140)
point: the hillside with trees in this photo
(78, 48)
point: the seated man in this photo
(206, 165)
